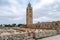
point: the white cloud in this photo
(43, 3)
(15, 11)
(12, 12)
(43, 19)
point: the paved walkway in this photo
(57, 37)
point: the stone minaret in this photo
(29, 18)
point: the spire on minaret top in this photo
(29, 4)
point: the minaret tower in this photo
(29, 18)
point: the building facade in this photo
(29, 18)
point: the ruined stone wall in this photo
(29, 35)
(46, 25)
(46, 33)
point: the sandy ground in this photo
(57, 37)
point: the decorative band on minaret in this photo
(29, 17)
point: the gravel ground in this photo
(57, 37)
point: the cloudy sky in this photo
(14, 11)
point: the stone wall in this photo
(30, 35)
(46, 25)
(46, 33)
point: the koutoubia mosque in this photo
(42, 25)
(29, 15)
